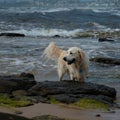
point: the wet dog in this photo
(74, 61)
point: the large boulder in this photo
(106, 60)
(63, 91)
(72, 91)
(10, 83)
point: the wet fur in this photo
(77, 70)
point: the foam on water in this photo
(31, 59)
(48, 32)
(62, 32)
(62, 21)
(110, 11)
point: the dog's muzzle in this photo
(65, 59)
(69, 61)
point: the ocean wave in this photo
(48, 32)
(35, 9)
(69, 33)
(65, 9)
(100, 10)
(48, 10)
(110, 11)
(117, 13)
(55, 10)
(52, 32)
(95, 25)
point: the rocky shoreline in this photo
(64, 91)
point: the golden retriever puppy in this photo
(74, 62)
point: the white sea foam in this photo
(110, 11)
(100, 10)
(17, 62)
(56, 10)
(49, 32)
(61, 32)
(99, 26)
(34, 9)
(117, 13)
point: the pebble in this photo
(18, 112)
(98, 115)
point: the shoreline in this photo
(49, 108)
(86, 114)
(63, 112)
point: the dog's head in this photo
(73, 55)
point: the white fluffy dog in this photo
(74, 62)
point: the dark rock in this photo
(56, 36)
(6, 116)
(105, 40)
(71, 91)
(19, 93)
(12, 34)
(98, 115)
(105, 60)
(63, 91)
(11, 83)
(64, 98)
(47, 117)
(37, 99)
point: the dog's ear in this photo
(81, 55)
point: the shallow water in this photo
(26, 55)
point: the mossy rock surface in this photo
(90, 104)
(66, 92)
(48, 117)
(71, 91)
(6, 101)
(84, 103)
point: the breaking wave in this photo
(68, 33)
(48, 32)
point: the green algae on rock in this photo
(6, 101)
(48, 117)
(84, 103)
(90, 104)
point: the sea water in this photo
(61, 21)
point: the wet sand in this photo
(63, 112)
(48, 109)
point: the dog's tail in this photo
(52, 51)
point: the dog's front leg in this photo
(61, 71)
(71, 76)
(60, 74)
